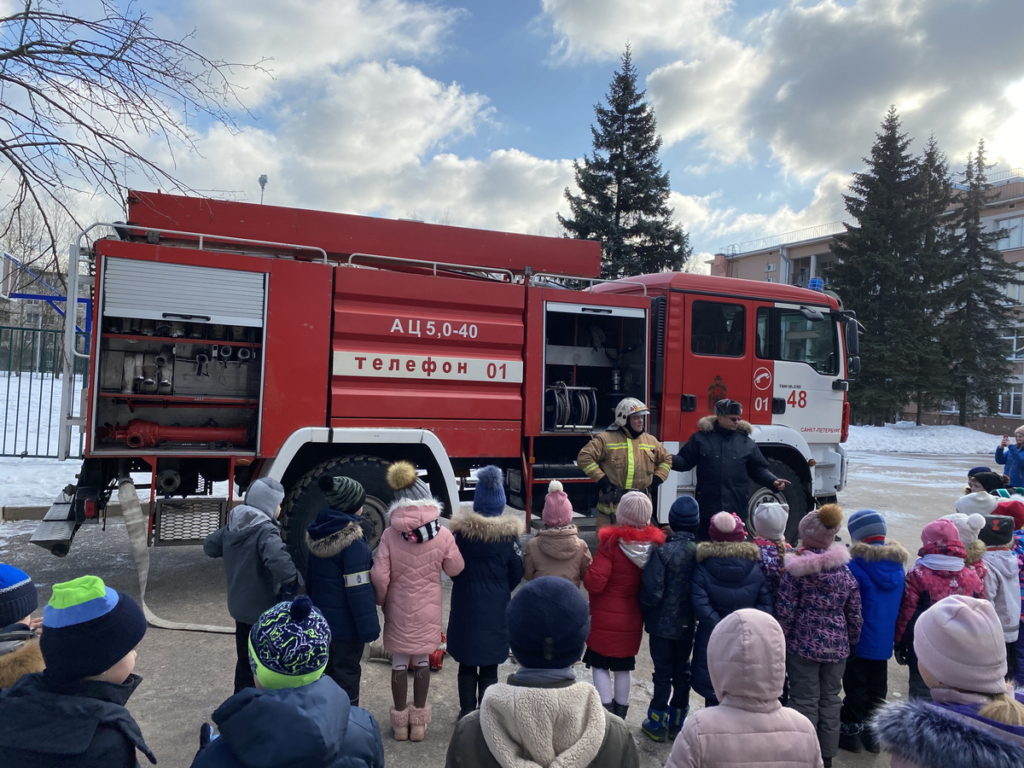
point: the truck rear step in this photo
(57, 527)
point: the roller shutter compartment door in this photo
(154, 290)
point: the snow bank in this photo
(907, 437)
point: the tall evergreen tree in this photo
(878, 272)
(932, 274)
(623, 200)
(977, 309)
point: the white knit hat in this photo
(967, 525)
(980, 502)
(770, 520)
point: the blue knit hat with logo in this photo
(288, 645)
(87, 628)
(489, 497)
(18, 596)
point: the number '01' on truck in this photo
(235, 341)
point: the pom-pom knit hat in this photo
(87, 628)
(967, 526)
(343, 493)
(868, 526)
(634, 509)
(489, 496)
(288, 645)
(18, 596)
(769, 520)
(548, 623)
(266, 494)
(557, 509)
(940, 536)
(960, 642)
(684, 514)
(997, 531)
(405, 483)
(818, 528)
(727, 526)
(979, 502)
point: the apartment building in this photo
(797, 257)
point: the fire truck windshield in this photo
(788, 334)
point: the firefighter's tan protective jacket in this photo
(630, 463)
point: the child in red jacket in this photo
(613, 581)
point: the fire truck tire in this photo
(305, 500)
(794, 496)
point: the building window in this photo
(1013, 233)
(1010, 400)
(1014, 340)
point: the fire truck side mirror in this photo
(853, 366)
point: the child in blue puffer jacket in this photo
(878, 566)
(338, 579)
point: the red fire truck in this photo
(234, 341)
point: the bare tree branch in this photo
(79, 96)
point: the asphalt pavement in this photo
(186, 675)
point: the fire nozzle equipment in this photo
(141, 434)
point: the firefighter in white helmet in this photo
(624, 458)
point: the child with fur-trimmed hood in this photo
(19, 632)
(338, 579)
(727, 577)
(488, 539)
(557, 549)
(613, 581)
(819, 609)
(879, 566)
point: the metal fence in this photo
(30, 387)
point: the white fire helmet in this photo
(629, 406)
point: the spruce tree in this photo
(977, 309)
(877, 273)
(932, 275)
(623, 192)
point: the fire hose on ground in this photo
(136, 524)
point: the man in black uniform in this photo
(725, 457)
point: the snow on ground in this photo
(906, 437)
(38, 481)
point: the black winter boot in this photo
(620, 709)
(850, 736)
(869, 739)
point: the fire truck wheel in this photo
(305, 500)
(794, 495)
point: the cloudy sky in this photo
(471, 113)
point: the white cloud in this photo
(377, 118)
(307, 38)
(598, 29)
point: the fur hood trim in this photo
(975, 551)
(926, 735)
(804, 562)
(24, 659)
(744, 550)
(873, 553)
(612, 534)
(473, 525)
(707, 423)
(334, 543)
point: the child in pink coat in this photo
(406, 578)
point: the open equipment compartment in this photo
(179, 364)
(594, 355)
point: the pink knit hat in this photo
(941, 536)
(727, 526)
(818, 528)
(634, 509)
(557, 509)
(960, 642)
